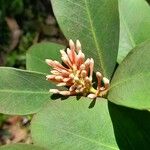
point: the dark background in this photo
(23, 23)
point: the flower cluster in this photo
(76, 73)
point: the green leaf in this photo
(21, 147)
(37, 54)
(131, 82)
(96, 25)
(70, 124)
(22, 92)
(134, 25)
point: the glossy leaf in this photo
(21, 147)
(134, 25)
(96, 25)
(131, 82)
(22, 92)
(37, 54)
(70, 124)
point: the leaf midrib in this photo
(95, 39)
(22, 91)
(89, 140)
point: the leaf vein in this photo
(88, 139)
(129, 79)
(95, 39)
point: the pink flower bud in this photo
(78, 45)
(76, 74)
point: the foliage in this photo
(76, 122)
(134, 29)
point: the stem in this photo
(92, 90)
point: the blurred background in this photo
(22, 24)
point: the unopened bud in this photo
(65, 93)
(72, 88)
(50, 77)
(83, 73)
(82, 67)
(64, 72)
(61, 84)
(88, 81)
(48, 61)
(78, 45)
(71, 44)
(106, 83)
(71, 76)
(55, 72)
(59, 78)
(105, 80)
(87, 62)
(76, 79)
(98, 74)
(92, 96)
(55, 91)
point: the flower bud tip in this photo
(78, 45)
(92, 96)
(55, 91)
(105, 80)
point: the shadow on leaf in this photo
(92, 104)
(131, 127)
(58, 97)
(61, 97)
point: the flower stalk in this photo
(76, 74)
